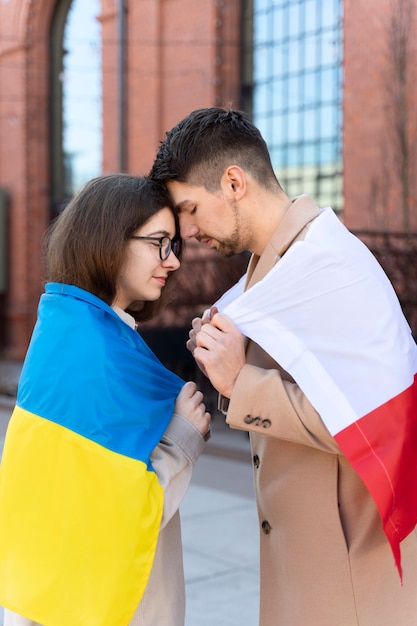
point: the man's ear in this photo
(233, 182)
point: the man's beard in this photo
(227, 248)
(232, 244)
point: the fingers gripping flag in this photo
(327, 313)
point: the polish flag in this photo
(327, 313)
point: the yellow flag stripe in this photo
(78, 545)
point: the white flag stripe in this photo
(327, 313)
(303, 366)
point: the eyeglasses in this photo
(166, 245)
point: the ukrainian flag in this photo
(80, 505)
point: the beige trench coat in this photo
(325, 560)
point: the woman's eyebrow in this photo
(163, 233)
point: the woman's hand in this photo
(190, 405)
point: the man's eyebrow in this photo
(181, 205)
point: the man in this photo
(325, 337)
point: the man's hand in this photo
(219, 351)
(196, 325)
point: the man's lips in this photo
(207, 241)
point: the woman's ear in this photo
(233, 182)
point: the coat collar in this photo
(301, 211)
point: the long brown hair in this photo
(86, 245)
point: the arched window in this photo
(76, 98)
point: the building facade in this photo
(331, 84)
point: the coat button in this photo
(256, 461)
(266, 527)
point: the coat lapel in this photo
(299, 214)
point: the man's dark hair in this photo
(202, 145)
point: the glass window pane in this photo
(261, 31)
(327, 122)
(311, 87)
(309, 153)
(311, 127)
(310, 53)
(293, 86)
(329, 48)
(328, 151)
(278, 22)
(261, 102)
(280, 95)
(281, 54)
(294, 12)
(262, 5)
(279, 131)
(329, 84)
(278, 157)
(311, 16)
(264, 125)
(329, 15)
(294, 127)
(82, 110)
(302, 67)
(293, 155)
(262, 62)
(295, 58)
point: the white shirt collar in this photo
(126, 317)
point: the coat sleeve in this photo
(264, 401)
(173, 460)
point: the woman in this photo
(102, 441)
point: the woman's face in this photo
(143, 274)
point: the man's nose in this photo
(187, 228)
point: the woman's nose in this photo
(171, 261)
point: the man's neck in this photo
(267, 212)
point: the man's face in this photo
(211, 218)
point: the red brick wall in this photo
(110, 142)
(180, 55)
(23, 161)
(371, 181)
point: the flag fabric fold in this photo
(80, 504)
(327, 313)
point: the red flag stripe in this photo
(382, 448)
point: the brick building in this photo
(318, 76)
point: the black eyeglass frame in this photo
(173, 245)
